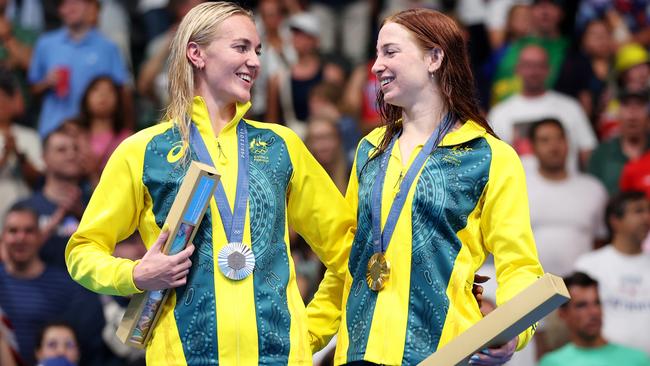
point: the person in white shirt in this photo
(566, 208)
(623, 272)
(512, 118)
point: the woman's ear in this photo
(434, 58)
(195, 55)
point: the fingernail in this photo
(485, 351)
(474, 358)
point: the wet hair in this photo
(199, 25)
(431, 30)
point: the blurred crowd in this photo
(566, 83)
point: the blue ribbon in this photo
(382, 239)
(234, 222)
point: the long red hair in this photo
(433, 29)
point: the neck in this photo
(626, 245)
(220, 114)
(549, 34)
(309, 57)
(553, 174)
(531, 93)
(101, 124)
(78, 31)
(56, 186)
(422, 118)
(633, 146)
(29, 270)
(581, 342)
(5, 123)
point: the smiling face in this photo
(229, 64)
(402, 67)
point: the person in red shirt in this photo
(636, 175)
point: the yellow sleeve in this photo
(506, 230)
(316, 209)
(111, 216)
(324, 310)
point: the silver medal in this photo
(236, 261)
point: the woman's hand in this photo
(495, 356)
(157, 271)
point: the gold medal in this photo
(378, 271)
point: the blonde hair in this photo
(199, 25)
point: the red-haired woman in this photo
(435, 193)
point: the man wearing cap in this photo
(632, 66)
(608, 159)
(66, 60)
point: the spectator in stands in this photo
(636, 175)
(632, 73)
(629, 20)
(57, 345)
(278, 54)
(512, 118)
(517, 26)
(623, 271)
(66, 60)
(152, 81)
(289, 91)
(583, 315)
(61, 200)
(20, 147)
(33, 293)
(325, 143)
(16, 45)
(585, 71)
(546, 16)
(103, 121)
(566, 214)
(566, 208)
(345, 26)
(609, 158)
(360, 97)
(325, 102)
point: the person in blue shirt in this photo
(66, 60)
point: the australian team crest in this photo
(259, 149)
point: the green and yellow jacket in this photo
(468, 200)
(260, 320)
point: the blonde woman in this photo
(269, 181)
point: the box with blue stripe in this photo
(185, 215)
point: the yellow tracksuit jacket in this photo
(260, 320)
(468, 200)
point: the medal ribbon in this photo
(234, 222)
(382, 239)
